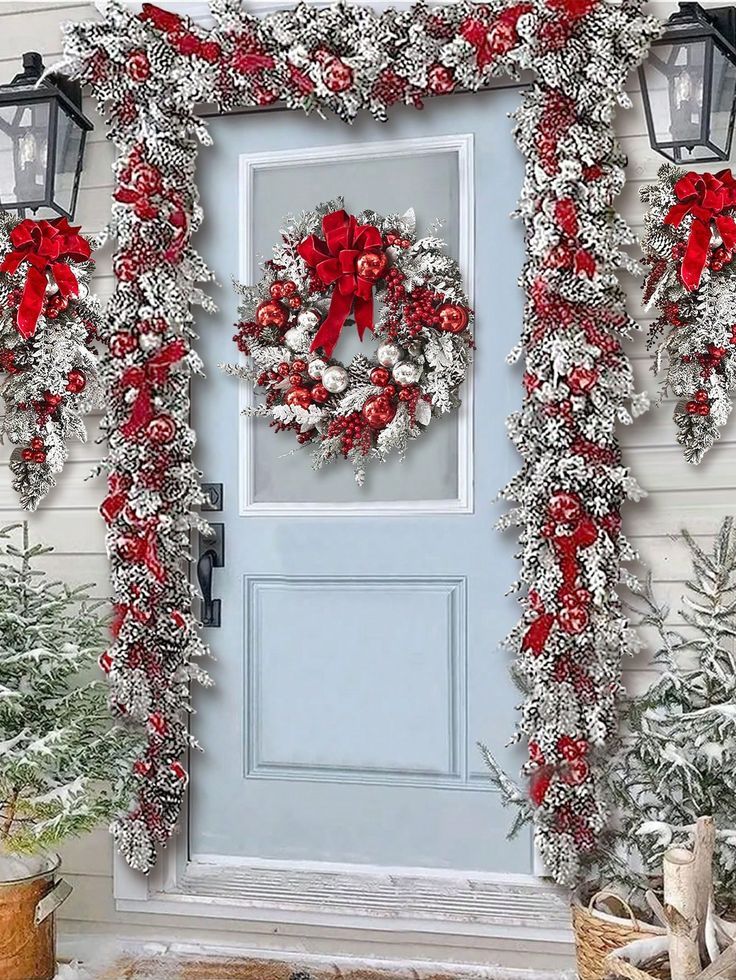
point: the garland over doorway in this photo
(148, 73)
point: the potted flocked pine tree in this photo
(63, 764)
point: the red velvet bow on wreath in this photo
(44, 245)
(351, 258)
(705, 197)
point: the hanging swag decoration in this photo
(689, 243)
(148, 72)
(292, 319)
(48, 367)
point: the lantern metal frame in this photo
(60, 94)
(692, 24)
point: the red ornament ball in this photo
(161, 429)
(440, 80)
(298, 365)
(380, 376)
(371, 265)
(453, 318)
(378, 411)
(289, 287)
(52, 399)
(122, 344)
(299, 396)
(36, 443)
(76, 381)
(582, 380)
(276, 290)
(564, 508)
(39, 456)
(138, 66)
(337, 76)
(320, 394)
(271, 314)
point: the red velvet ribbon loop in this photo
(334, 261)
(705, 197)
(43, 245)
(156, 371)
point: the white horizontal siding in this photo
(680, 495)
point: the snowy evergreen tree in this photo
(678, 758)
(64, 767)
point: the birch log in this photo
(680, 902)
(705, 836)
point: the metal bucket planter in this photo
(27, 923)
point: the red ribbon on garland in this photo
(44, 245)
(705, 197)
(156, 371)
(334, 261)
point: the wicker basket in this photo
(658, 969)
(598, 933)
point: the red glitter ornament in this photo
(440, 80)
(161, 429)
(271, 314)
(378, 411)
(337, 76)
(299, 396)
(371, 265)
(137, 66)
(453, 318)
(380, 376)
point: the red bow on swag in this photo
(705, 197)
(43, 245)
(336, 260)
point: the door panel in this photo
(358, 661)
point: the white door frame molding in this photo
(461, 145)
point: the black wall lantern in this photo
(688, 85)
(42, 136)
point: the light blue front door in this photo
(358, 659)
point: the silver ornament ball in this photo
(407, 372)
(335, 379)
(51, 288)
(82, 290)
(308, 319)
(294, 338)
(315, 368)
(389, 353)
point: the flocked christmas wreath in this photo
(48, 361)
(149, 71)
(690, 243)
(313, 288)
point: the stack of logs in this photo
(698, 945)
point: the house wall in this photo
(679, 495)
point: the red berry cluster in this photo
(8, 362)
(389, 87)
(355, 432)
(700, 404)
(36, 452)
(421, 310)
(245, 331)
(710, 359)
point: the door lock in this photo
(211, 556)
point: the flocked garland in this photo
(148, 73)
(690, 242)
(292, 319)
(48, 364)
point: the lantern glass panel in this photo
(723, 101)
(24, 133)
(69, 145)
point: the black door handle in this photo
(211, 608)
